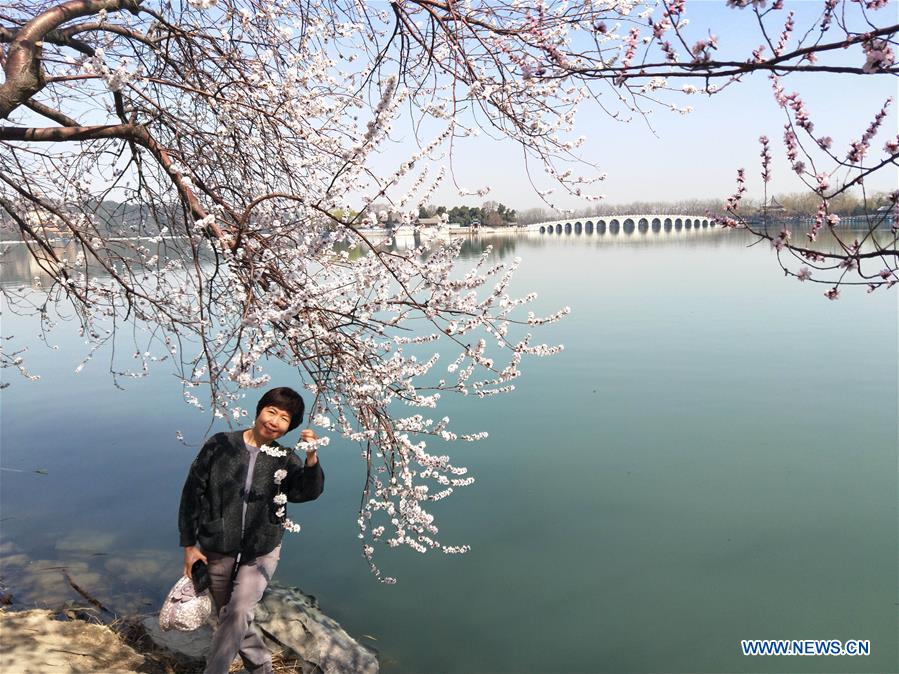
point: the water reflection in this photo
(129, 581)
(23, 263)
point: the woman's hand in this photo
(191, 554)
(308, 435)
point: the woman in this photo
(232, 517)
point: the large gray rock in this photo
(293, 619)
(188, 647)
(292, 623)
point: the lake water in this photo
(712, 458)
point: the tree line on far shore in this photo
(494, 214)
(128, 219)
(790, 205)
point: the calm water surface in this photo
(712, 458)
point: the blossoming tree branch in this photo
(240, 139)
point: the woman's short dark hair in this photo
(286, 399)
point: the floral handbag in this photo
(188, 604)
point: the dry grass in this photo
(162, 661)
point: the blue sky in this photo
(697, 155)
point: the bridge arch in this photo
(643, 225)
(628, 226)
(614, 226)
(588, 226)
(656, 225)
(558, 228)
(668, 224)
(578, 227)
(678, 224)
(688, 223)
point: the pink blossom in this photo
(832, 294)
(812, 256)
(630, 43)
(676, 8)
(733, 200)
(829, 6)
(785, 35)
(668, 50)
(659, 28)
(804, 273)
(778, 90)
(859, 148)
(820, 216)
(791, 143)
(726, 222)
(878, 55)
(781, 240)
(766, 159)
(700, 52)
(800, 112)
(857, 151)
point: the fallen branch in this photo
(94, 602)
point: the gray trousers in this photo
(236, 602)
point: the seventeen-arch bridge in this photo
(627, 224)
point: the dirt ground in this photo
(32, 642)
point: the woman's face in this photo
(272, 423)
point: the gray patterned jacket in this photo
(212, 500)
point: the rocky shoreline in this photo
(89, 607)
(302, 638)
